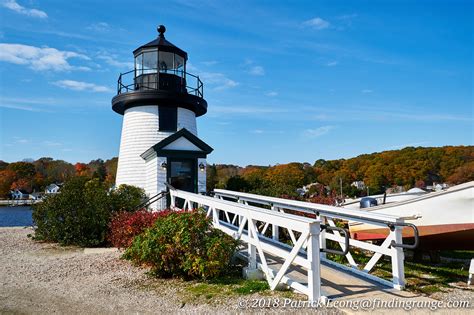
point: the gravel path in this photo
(46, 278)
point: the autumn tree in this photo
(285, 178)
(3, 165)
(24, 170)
(98, 169)
(462, 174)
(7, 177)
(82, 169)
(212, 179)
(111, 169)
(22, 184)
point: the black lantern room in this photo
(159, 78)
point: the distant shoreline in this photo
(18, 203)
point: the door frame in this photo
(194, 169)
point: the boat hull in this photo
(439, 237)
(445, 220)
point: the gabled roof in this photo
(161, 150)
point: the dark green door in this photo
(182, 174)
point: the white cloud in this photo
(332, 63)
(81, 86)
(314, 133)
(257, 131)
(112, 61)
(218, 80)
(210, 63)
(39, 58)
(317, 23)
(99, 27)
(252, 68)
(257, 70)
(14, 6)
(271, 93)
(367, 91)
(27, 104)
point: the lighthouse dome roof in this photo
(162, 44)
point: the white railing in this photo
(391, 246)
(248, 224)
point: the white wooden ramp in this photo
(300, 263)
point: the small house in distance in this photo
(19, 194)
(52, 189)
(359, 184)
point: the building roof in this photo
(162, 44)
(203, 149)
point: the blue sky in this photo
(284, 80)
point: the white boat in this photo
(389, 198)
(445, 219)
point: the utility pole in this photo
(340, 183)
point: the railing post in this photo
(173, 200)
(252, 249)
(163, 200)
(398, 257)
(322, 236)
(314, 272)
(239, 219)
(275, 228)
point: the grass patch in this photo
(252, 286)
(429, 289)
(458, 254)
(230, 284)
(421, 277)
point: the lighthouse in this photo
(160, 101)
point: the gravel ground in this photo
(46, 278)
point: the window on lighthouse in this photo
(168, 118)
(149, 62)
(165, 61)
(138, 65)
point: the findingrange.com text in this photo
(355, 305)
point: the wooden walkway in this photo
(337, 284)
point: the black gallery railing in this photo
(154, 79)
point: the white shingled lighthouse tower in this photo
(159, 102)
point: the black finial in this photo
(161, 29)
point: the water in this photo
(15, 216)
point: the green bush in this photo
(126, 198)
(183, 244)
(80, 213)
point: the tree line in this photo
(409, 167)
(34, 176)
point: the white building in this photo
(52, 189)
(159, 102)
(19, 194)
(358, 184)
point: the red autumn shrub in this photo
(124, 226)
